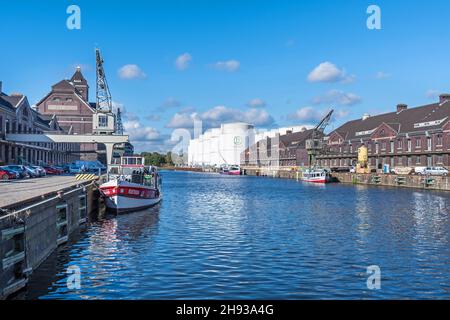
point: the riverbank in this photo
(404, 181)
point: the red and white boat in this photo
(231, 170)
(316, 176)
(132, 186)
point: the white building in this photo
(224, 145)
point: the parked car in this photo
(419, 170)
(59, 168)
(52, 170)
(66, 168)
(23, 172)
(74, 169)
(5, 175)
(435, 171)
(40, 170)
(32, 172)
(11, 173)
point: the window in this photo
(409, 162)
(439, 159)
(418, 160)
(351, 148)
(56, 99)
(429, 143)
(400, 144)
(377, 148)
(392, 146)
(418, 142)
(103, 121)
(409, 145)
(438, 140)
(1, 123)
(400, 161)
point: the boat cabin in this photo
(133, 169)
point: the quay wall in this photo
(28, 235)
(403, 181)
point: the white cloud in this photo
(256, 103)
(432, 94)
(131, 71)
(307, 114)
(153, 117)
(313, 116)
(140, 133)
(220, 114)
(182, 61)
(329, 72)
(230, 65)
(380, 75)
(171, 102)
(338, 97)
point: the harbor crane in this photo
(315, 146)
(104, 120)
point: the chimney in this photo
(401, 107)
(365, 116)
(288, 132)
(443, 98)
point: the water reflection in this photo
(249, 237)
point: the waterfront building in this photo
(407, 137)
(68, 100)
(283, 150)
(224, 145)
(16, 116)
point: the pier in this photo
(376, 179)
(37, 216)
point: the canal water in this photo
(220, 237)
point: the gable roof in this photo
(78, 78)
(419, 119)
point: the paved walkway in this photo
(21, 190)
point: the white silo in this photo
(233, 141)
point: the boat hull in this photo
(316, 180)
(232, 173)
(122, 204)
(121, 196)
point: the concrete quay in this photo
(376, 179)
(36, 217)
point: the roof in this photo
(419, 119)
(78, 78)
(69, 86)
(295, 138)
(13, 100)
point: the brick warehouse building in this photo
(408, 137)
(290, 152)
(16, 116)
(68, 100)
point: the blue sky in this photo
(275, 63)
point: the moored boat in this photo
(316, 176)
(231, 170)
(132, 186)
